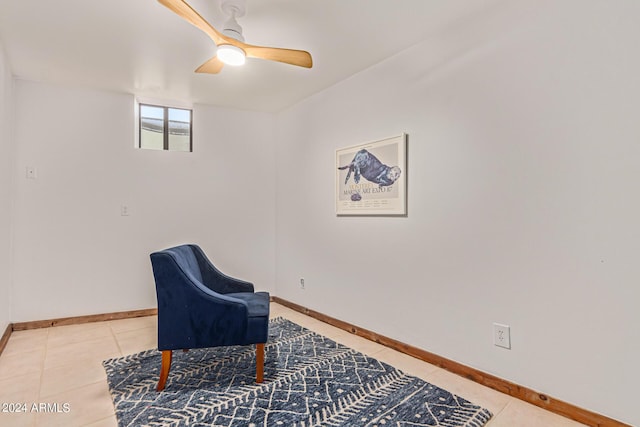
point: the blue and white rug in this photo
(310, 380)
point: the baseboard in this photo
(5, 337)
(75, 320)
(517, 391)
(523, 393)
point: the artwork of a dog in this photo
(372, 169)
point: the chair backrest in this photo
(186, 260)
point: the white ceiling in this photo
(140, 47)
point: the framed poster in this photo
(371, 179)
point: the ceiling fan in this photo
(231, 48)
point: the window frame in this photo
(165, 122)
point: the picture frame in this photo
(371, 178)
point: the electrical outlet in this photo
(124, 210)
(301, 283)
(501, 335)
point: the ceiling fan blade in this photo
(212, 66)
(182, 9)
(300, 58)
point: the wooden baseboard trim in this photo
(523, 393)
(5, 337)
(76, 320)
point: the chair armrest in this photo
(216, 280)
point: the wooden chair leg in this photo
(259, 363)
(164, 370)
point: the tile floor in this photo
(62, 365)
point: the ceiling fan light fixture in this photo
(231, 55)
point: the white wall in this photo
(75, 254)
(6, 156)
(524, 164)
(523, 201)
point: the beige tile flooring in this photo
(62, 365)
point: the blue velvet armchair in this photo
(200, 307)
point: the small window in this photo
(165, 128)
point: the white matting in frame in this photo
(371, 179)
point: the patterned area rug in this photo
(310, 380)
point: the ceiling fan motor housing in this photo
(233, 9)
(233, 29)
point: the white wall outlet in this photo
(32, 172)
(501, 335)
(124, 210)
(301, 283)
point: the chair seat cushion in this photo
(257, 302)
